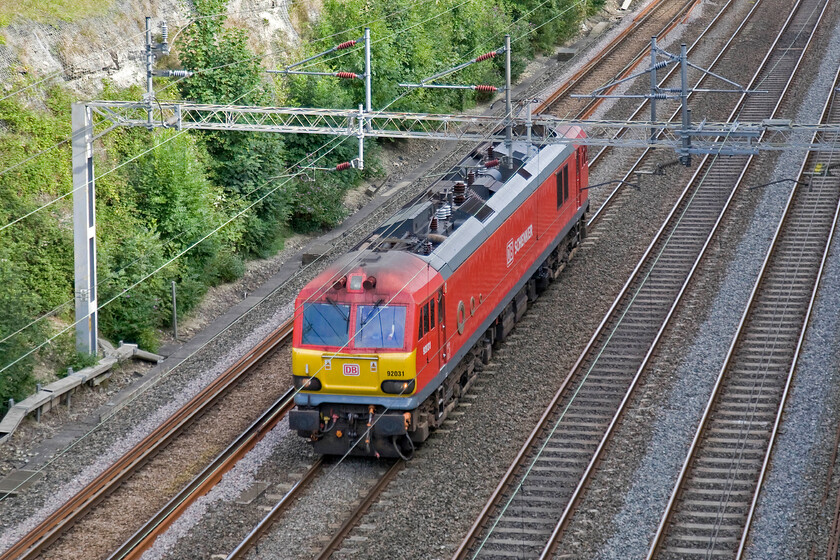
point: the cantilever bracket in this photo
(657, 92)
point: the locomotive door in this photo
(580, 154)
(428, 340)
(442, 345)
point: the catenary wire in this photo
(171, 84)
(224, 329)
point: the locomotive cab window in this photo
(326, 324)
(562, 186)
(380, 326)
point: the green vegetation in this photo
(243, 163)
(156, 214)
(54, 10)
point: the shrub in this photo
(224, 267)
(19, 305)
(122, 263)
(319, 205)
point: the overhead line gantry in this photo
(723, 138)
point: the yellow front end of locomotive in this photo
(382, 375)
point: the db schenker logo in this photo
(352, 370)
(513, 246)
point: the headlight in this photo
(395, 387)
(302, 382)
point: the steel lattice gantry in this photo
(95, 118)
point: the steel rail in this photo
(39, 538)
(472, 537)
(833, 548)
(205, 480)
(360, 510)
(741, 344)
(566, 516)
(542, 423)
(594, 62)
(670, 74)
(265, 523)
(811, 157)
(834, 541)
(590, 106)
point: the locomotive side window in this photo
(380, 326)
(565, 183)
(326, 324)
(562, 185)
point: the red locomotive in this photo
(388, 338)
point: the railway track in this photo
(37, 541)
(252, 538)
(52, 528)
(528, 511)
(373, 493)
(182, 501)
(713, 502)
(359, 511)
(668, 80)
(657, 19)
(206, 479)
(661, 17)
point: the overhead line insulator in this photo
(485, 56)
(343, 166)
(346, 44)
(347, 75)
(485, 88)
(491, 163)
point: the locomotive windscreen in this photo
(326, 324)
(380, 326)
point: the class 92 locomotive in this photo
(391, 335)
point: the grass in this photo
(54, 10)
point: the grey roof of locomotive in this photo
(491, 198)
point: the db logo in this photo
(510, 252)
(352, 370)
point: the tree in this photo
(243, 163)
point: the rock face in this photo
(81, 53)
